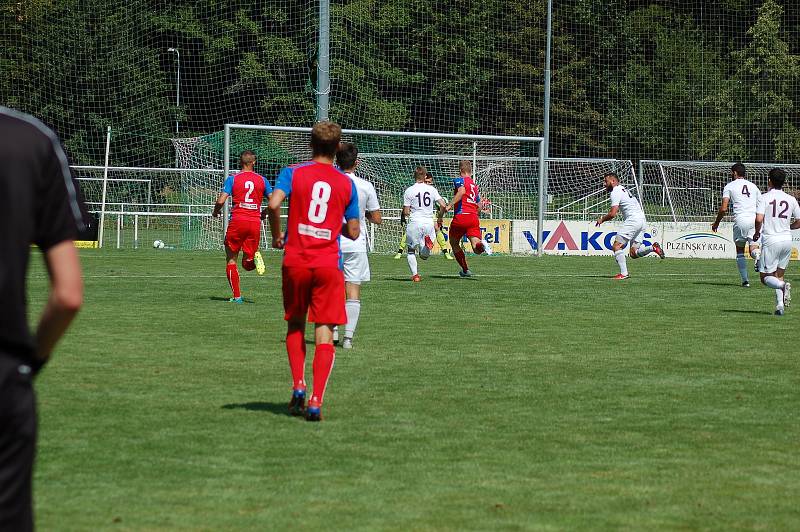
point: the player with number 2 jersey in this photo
(320, 197)
(247, 190)
(465, 206)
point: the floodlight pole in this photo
(544, 148)
(178, 87)
(324, 61)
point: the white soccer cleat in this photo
(787, 294)
(486, 247)
(424, 252)
(347, 343)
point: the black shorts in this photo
(17, 443)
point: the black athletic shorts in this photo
(17, 443)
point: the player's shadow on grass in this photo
(739, 311)
(439, 276)
(279, 409)
(714, 283)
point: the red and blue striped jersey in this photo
(320, 197)
(469, 202)
(247, 190)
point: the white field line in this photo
(394, 276)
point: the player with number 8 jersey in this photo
(320, 197)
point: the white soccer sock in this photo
(741, 263)
(620, 258)
(774, 282)
(353, 308)
(412, 262)
(643, 251)
(779, 298)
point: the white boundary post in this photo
(542, 199)
(226, 165)
(666, 188)
(105, 189)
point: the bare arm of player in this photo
(440, 212)
(375, 217)
(610, 215)
(459, 194)
(221, 199)
(720, 213)
(264, 210)
(66, 297)
(759, 224)
(351, 228)
(274, 213)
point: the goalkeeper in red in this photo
(320, 197)
(465, 206)
(247, 189)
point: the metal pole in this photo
(105, 189)
(544, 148)
(178, 88)
(226, 165)
(542, 199)
(323, 60)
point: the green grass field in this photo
(540, 395)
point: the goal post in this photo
(508, 169)
(689, 191)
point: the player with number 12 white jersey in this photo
(419, 201)
(632, 228)
(774, 213)
(743, 194)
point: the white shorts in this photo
(775, 255)
(744, 229)
(630, 231)
(356, 267)
(416, 231)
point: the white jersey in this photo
(778, 209)
(422, 199)
(367, 202)
(631, 210)
(744, 195)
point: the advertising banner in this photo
(496, 232)
(679, 240)
(562, 237)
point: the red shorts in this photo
(464, 224)
(318, 292)
(243, 235)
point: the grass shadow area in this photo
(279, 409)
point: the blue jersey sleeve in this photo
(267, 186)
(284, 181)
(458, 182)
(352, 208)
(227, 187)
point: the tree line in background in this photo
(630, 79)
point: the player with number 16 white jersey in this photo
(419, 201)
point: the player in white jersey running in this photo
(744, 196)
(632, 228)
(418, 206)
(774, 212)
(354, 252)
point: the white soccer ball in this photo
(158, 244)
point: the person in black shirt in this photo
(42, 208)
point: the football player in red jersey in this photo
(466, 204)
(247, 189)
(320, 197)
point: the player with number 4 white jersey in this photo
(632, 228)
(419, 202)
(743, 196)
(774, 213)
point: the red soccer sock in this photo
(233, 279)
(461, 259)
(479, 248)
(296, 348)
(323, 364)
